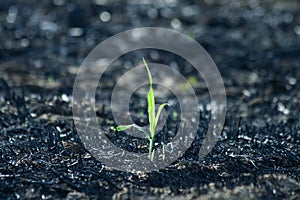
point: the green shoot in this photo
(153, 117)
(124, 128)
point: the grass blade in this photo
(158, 112)
(151, 102)
(151, 111)
(124, 127)
(148, 71)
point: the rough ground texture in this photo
(256, 45)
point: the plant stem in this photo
(151, 155)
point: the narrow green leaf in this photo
(151, 102)
(124, 127)
(158, 113)
(148, 71)
(151, 111)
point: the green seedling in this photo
(153, 117)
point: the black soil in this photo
(255, 44)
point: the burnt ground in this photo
(255, 44)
